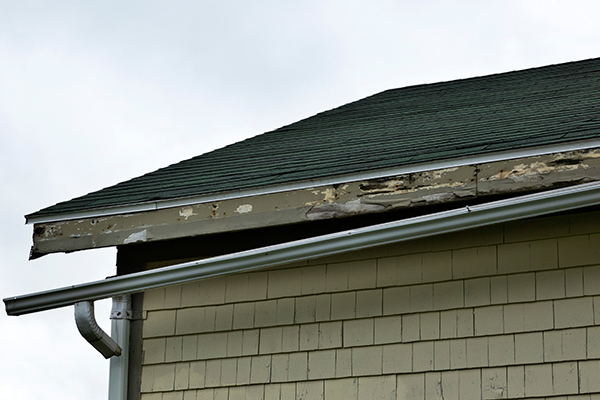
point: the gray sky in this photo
(94, 93)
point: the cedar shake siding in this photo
(508, 311)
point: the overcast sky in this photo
(94, 93)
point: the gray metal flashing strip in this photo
(299, 185)
(413, 228)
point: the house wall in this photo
(507, 311)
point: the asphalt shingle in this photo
(398, 127)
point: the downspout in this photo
(89, 329)
(120, 316)
(108, 346)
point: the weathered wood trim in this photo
(365, 197)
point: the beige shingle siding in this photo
(507, 311)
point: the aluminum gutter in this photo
(339, 179)
(429, 225)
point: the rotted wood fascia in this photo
(363, 197)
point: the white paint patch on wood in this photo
(136, 237)
(187, 212)
(244, 208)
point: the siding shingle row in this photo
(497, 312)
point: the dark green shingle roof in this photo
(399, 127)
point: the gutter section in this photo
(527, 206)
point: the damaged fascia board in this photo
(336, 180)
(526, 206)
(410, 190)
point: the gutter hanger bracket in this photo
(121, 307)
(89, 329)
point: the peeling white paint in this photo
(438, 197)
(391, 193)
(329, 195)
(525, 172)
(391, 185)
(451, 185)
(187, 212)
(109, 229)
(136, 237)
(351, 207)
(579, 154)
(244, 208)
(439, 173)
(52, 230)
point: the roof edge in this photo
(526, 206)
(306, 184)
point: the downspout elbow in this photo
(89, 329)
